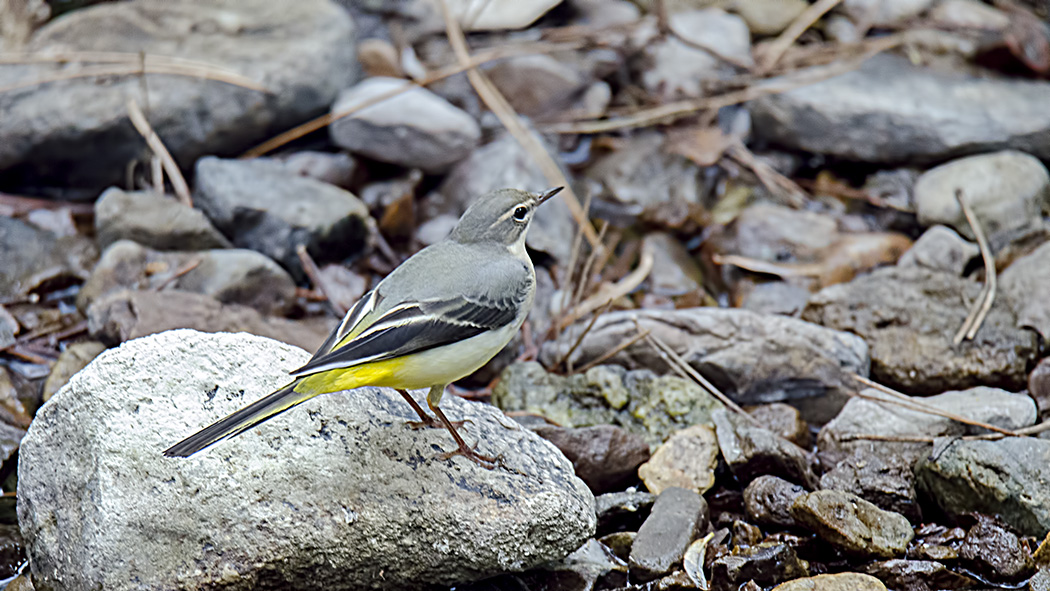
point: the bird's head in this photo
(501, 216)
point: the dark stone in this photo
(752, 451)
(766, 565)
(605, 457)
(994, 551)
(853, 524)
(622, 511)
(677, 516)
(768, 500)
(886, 480)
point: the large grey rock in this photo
(77, 130)
(260, 205)
(908, 316)
(153, 220)
(415, 129)
(1007, 190)
(1006, 478)
(678, 515)
(870, 417)
(1024, 283)
(753, 358)
(232, 276)
(33, 257)
(640, 401)
(504, 163)
(339, 493)
(955, 115)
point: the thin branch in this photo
(795, 29)
(565, 360)
(178, 182)
(608, 293)
(984, 302)
(498, 104)
(612, 352)
(139, 70)
(179, 273)
(311, 270)
(905, 401)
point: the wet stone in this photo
(767, 565)
(622, 511)
(153, 220)
(853, 524)
(753, 451)
(1006, 478)
(605, 457)
(908, 315)
(768, 500)
(886, 480)
(917, 574)
(994, 551)
(676, 518)
(686, 460)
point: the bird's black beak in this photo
(548, 194)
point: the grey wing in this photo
(413, 327)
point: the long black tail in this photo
(240, 421)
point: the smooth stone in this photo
(1023, 283)
(871, 417)
(836, 582)
(125, 315)
(504, 163)
(333, 168)
(33, 257)
(837, 116)
(753, 451)
(153, 220)
(1007, 190)
(853, 524)
(672, 69)
(766, 565)
(74, 358)
(881, 13)
(605, 457)
(1039, 385)
(591, 566)
(768, 500)
(885, 480)
(677, 516)
(686, 460)
(753, 358)
(414, 129)
(768, 17)
(640, 401)
(232, 276)
(499, 15)
(1006, 478)
(674, 271)
(535, 85)
(899, 573)
(940, 249)
(908, 315)
(969, 14)
(375, 494)
(996, 552)
(260, 205)
(76, 132)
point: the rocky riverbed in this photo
(790, 330)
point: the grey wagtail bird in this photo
(436, 318)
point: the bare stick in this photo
(311, 270)
(498, 104)
(910, 403)
(179, 273)
(612, 352)
(566, 359)
(155, 144)
(608, 293)
(138, 70)
(977, 314)
(794, 30)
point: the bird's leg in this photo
(463, 449)
(425, 421)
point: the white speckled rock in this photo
(335, 494)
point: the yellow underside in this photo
(379, 373)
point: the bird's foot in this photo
(487, 462)
(432, 423)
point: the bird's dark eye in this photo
(520, 212)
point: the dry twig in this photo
(610, 292)
(795, 29)
(498, 104)
(311, 270)
(977, 314)
(178, 182)
(138, 69)
(179, 273)
(612, 352)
